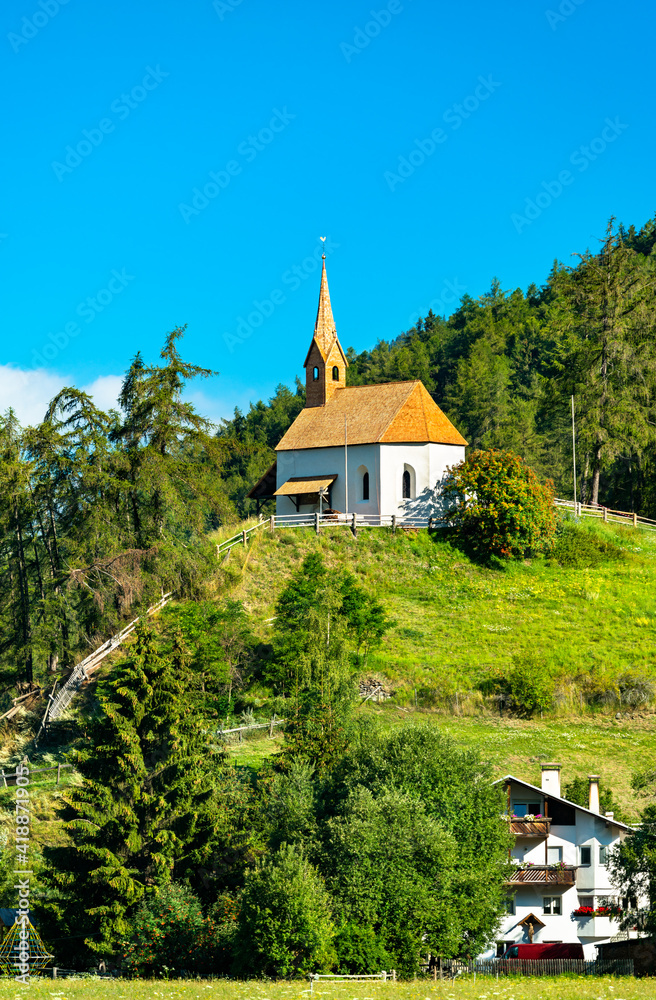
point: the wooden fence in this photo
(606, 514)
(57, 705)
(535, 967)
(354, 522)
(396, 522)
(240, 730)
(7, 778)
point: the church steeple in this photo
(325, 364)
(324, 328)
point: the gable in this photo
(316, 354)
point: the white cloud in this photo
(28, 392)
(104, 391)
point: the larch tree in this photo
(607, 356)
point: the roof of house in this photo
(301, 485)
(574, 805)
(265, 486)
(393, 413)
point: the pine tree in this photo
(146, 810)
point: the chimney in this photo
(593, 796)
(551, 779)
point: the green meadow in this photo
(525, 988)
(456, 623)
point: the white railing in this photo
(336, 977)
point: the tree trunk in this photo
(584, 483)
(596, 471)
(24, 597)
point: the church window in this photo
(408, 483)
(335, 373)
(315, 374)
(365, 486)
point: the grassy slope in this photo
(455, 622)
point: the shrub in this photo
(529, 686)
(284, 927)
(360, 950)
(498, 507)
(578, 548)
(168, 932)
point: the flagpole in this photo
(345, 467)
(574, 451)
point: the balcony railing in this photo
(543, 875)
(538, 828)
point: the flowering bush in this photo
(170, 935)
(497, 506)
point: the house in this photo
(560, 880)
(373, 449)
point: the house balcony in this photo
(534, 828)
(543, 875)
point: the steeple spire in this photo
(324, 328)
(325, 364)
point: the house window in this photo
(603, 855)
(551, 905)
(586, 901)
(335, 373)
(629, 902)
(502, 946)
(510, 905)
(315, 374)
(407, 483)
(524, 808)
(365, 486)
(554, 855)
(585, 855)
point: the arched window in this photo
(315, 374)
(408, 483)
(335, 373)
(362, 483)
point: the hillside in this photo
(457, 623)
(459, 628)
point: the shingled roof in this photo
(393, 413)
(325, 333)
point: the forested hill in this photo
(503, 368)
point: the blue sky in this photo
(169, 163)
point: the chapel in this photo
(370, 449)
